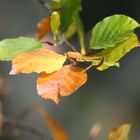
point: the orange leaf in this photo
(58, 133)
(44, 27)
(77, 55)
(41, 60)
(61, 83)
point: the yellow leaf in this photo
(55, 23)
(41, 60)
(60, 83)
(120, 133)
(114, 54)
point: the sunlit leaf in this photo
(43, 27)
(61, 83)
(112, 55)
(9, 48)
(55, 23)
(120, 133)
(41, 60)
(112, 30)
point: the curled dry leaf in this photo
(41, 60)
(43, 27)
(61, 83)
(120, 133)
(80, 57)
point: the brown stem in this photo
(45, 6)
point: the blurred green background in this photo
(111, 97)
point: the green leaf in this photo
(55, 23)
(111, 31)
(71, 31)
(56, 4)
(80, 32)
(112, 55)
(70, 8)
(9, 48)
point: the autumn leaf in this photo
(9, 48)
(44, 27)
(114, 54)
(120, 133)
(60, 83)
(57, 132)
(81, 58)
(41, 60)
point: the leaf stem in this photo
(83, 50)
(70, 45)
(90, 66)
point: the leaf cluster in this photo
(113, 37)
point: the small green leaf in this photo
(67, 13)
(9, 48)
(112, 55)
(71, 31)
(56, 4)
(55, 23)
(112, 30)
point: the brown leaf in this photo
(44, 27)
(58, 133)
(120, 133)
(77, 55)
(61, 83)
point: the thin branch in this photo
(13, 125)
(45, 6)
(90, 66)
(70, 45)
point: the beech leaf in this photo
(111, 31)
(41, 60)
(60, 83)
(55, 23)
(43, 27)
(114, 54)
(120, 133)
(56, 4)
(9, 48)
(68, 11)
(57, 132)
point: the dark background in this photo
(111, 97)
